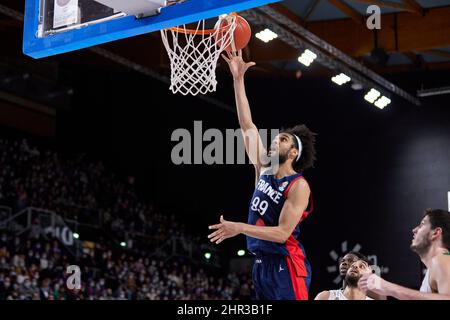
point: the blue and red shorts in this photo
(278, 277)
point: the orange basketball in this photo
(241, 35)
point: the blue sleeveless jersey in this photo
(265, 209)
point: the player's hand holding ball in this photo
(237, 65)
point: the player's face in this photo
(280, 146)
(421, 241)
(358, 268)
(346, 262)
(356, 271)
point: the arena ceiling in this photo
(414, 35)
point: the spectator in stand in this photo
(75, 186)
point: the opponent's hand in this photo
(237, 65)
(225, 229)
(372, 282)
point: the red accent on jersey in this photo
(297, 270)
(260, 222)
(311, 208)
(297, 256)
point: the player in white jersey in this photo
(350, 290)
(431, 241)
(346, 262)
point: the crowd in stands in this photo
(35, 267)
(77, 187)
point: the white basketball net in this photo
(194, 55)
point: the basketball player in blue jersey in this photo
(279, 203)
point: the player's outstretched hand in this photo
(237, 65)
(224, 230)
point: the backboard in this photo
(58, 26)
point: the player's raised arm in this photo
(253, 144)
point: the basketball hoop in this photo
(194, 53)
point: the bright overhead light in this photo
(76, 235)
(123, 244)
(266, 35)
(207, 255)
(382, 102)
(372, 95)
(307, 57)
(241, 253)
(311, 54)
(304, 61)
(340, 79)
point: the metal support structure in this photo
(433, 92)
(9, 222)
(328, 48)
(11, 12)
(328, 55)
(300, 44)
(5, 214)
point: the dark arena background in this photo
(87, 179)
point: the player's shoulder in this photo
(324, 295)
(440, 265)
(440, 262)
(300, 184)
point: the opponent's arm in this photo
(441, 269)
(442, 266)
(293, 208)
(253, 144)
(402, 293)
